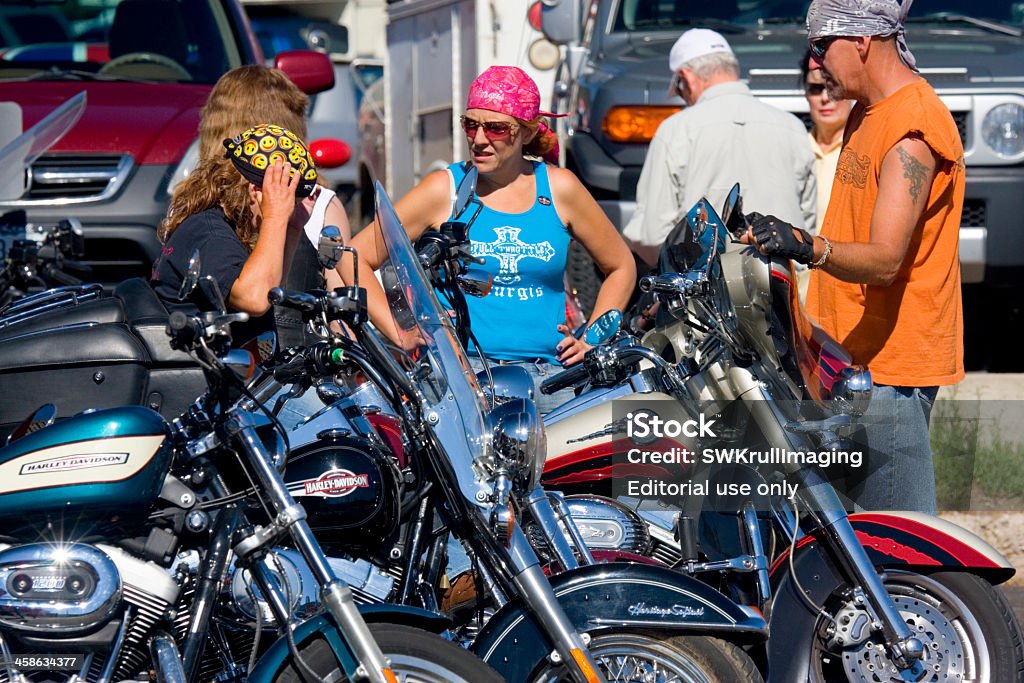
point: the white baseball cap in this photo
(694, 43)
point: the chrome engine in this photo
(248, 607)
(51, 593)
(58, 590)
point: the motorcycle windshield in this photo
(18, 154)
(443, 375)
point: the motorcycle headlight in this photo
(851, 391)
(519, 440)
(1003, 129)
(187, 164)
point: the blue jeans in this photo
(539, 371)
(897, 473)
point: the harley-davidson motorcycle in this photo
(137, 550)
(47, 259)
(877, 596)
(470, 471)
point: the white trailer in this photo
(435, 48)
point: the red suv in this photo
(146, 67)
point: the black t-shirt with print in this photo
(222, 256)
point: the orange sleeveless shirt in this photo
(909, 333)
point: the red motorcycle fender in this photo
(920, 542)
(620, 596)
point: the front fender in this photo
(624, 597)
(274, 658)
(920, 542)
(912, 540)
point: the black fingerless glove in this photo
(779, 238)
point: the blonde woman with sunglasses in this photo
(531, 211)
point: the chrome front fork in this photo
(906, 649)
(290, 517)
(534, 586)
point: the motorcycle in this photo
(470, 472)
(36, 264)
(867, 596)
(135, 550)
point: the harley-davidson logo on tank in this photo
(332, 484)
(85, 462)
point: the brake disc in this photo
(867, 661)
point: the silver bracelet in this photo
(814, 265)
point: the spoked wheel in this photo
(638, 658)
(416, 657)
(969, 632)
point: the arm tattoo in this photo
(914, 171)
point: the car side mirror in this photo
(312, 72)
(561, 20)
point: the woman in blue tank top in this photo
(531, 211)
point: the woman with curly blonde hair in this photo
(235, 211)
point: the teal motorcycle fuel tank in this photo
(107, 461)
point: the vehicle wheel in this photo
(628, 657)
(968, 629)
(416, 657)
(584, 277)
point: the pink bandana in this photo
(506, 90)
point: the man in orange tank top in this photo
(887, 274)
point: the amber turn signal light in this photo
(635, 123)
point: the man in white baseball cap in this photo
(724, 135)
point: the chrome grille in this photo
(74, 178)
(960, 119)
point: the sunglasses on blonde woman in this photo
(493, 130)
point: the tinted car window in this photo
(644, 15)
(163, 40)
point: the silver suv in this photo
(971, 52)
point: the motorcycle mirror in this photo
(191, 279)
(467, 188)
(604, 328)
(732, 212)
(77, 237)
(241, 362)
(475, 282)
(44, 416)
(329, 247)
(211, 292)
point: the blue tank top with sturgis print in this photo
(525, 253)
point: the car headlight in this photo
(187, 164)
(1003, 129)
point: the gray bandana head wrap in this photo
(861, 18)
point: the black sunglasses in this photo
(493, 130)
(814, 88)
(819, 46)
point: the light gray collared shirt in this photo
(727, 136)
